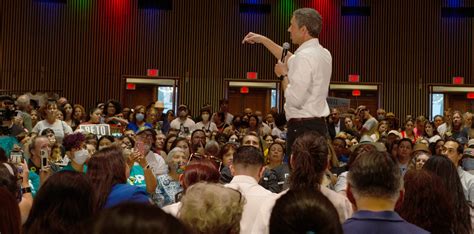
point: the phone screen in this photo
(140, 146)
(44, 158)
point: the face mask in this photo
(381, 117)
(260, 118)
(139, 117)
(237, 124)
(205, 117)
(183, 113)
(80, 156)
(180, 167)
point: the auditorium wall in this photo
(82, 48)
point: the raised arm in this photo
(274, 48)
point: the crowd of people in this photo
(222, 172)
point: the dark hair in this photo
(106, 168)
(118, 107)
(435, 130)
(7, 180)
(132, 141)
(89, 113)
(3, 155)
(375, 174)
(304, 211)
(62, 205)
(200, 170)
(360, 149)
(221, 116)
(407, 140)
(226, 148)
(168, 139)
(445, 169)
(248, 156)
(73, 141)
(460, 148)
(110, 138)
(10, 213)
(137, 218)
(426, 204)
(309, 161)
(46, 131)
(177, 140)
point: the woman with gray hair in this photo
(212, 208)
(168, 184)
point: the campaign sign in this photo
(97, 129)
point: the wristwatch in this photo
(26, 190)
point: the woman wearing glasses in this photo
(168, 184)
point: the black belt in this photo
(298, 120)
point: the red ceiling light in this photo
(356, 93)
(244, 89)
(470, 95)
(152, 72)
(354, 78)
(131, 86)
(458, 80)
(252, 75)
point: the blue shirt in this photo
(386, 222)
(133, 126)
(126, 193)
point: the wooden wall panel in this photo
(84, 47)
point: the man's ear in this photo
(232, 169)
(260, 173)
(400, 199)
(350, 195)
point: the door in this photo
(256, 99)
(368, 98)
(144, 94)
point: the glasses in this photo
(215, 160)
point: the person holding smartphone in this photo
(38, 163)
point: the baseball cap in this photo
(395, 132)
(470, 143)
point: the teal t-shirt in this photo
(70, 168)
(137, 176)
(34, 181)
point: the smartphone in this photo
(140, 147)
(44, 158)
(16, 157)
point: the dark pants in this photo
(297, 128)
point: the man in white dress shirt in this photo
(306, 74)
(247, 168)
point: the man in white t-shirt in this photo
(370, 125)
(184, 124)
(156, 162)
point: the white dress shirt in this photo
(309, 74)
(467, 181)
(254, 194)
(342, 204)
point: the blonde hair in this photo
(212, 208)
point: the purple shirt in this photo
(386, 222)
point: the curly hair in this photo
(212, 208)
(422, 191)
(73, 141)
(309, 161)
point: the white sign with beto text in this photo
(97, 129)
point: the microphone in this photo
(285, 46)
